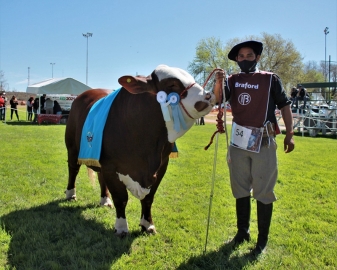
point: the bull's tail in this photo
(91, 175)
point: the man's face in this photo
(247, 53)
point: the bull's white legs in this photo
(105, 201)
(121, 227)
(149, 228)
(71, 194)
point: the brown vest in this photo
(249, 96)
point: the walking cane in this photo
(220, 129)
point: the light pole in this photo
(325, 32)
(87, 35)
(52, 69)
(28, 79)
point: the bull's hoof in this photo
(70, 195)
(120, 234)
(149, 230)
(106, 202)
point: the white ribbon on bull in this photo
(173, 100)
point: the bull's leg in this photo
(73, 169)
(119, 196)
(105, 199)
(146, 219)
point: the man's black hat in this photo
(257, 47)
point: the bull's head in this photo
(192, 101)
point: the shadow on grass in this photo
(28, 123)
(224, 258)
(328, 135)
(56, 236)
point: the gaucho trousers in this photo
(254, 172)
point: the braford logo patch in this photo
(246, 85)
(244, 99)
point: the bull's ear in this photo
(135, 85)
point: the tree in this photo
(3, 83)
(311, 73)
(210, 54)
(279, 56)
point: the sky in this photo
(131, 37)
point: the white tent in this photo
(58, 86)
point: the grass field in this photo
(40, 230)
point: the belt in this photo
(269, 130)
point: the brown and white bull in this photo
(137, 141)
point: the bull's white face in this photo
(196, 104)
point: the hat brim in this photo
(255, 45)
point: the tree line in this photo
(279, 56)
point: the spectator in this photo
(57, 108)
(2, 107)
(35, 109)
(48, 106)
(202, 121)
(42, 100)
(293, 95)
(14, 107)
(301, 95)
(30, 103)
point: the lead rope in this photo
(220, 129)
(220, 123)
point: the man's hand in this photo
(287, 116)
(220, 76)
(289, 144)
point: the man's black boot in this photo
(243, 220)
(264, 214)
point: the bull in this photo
(137, 139)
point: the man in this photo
(2, 107)
(301, 95)
(48, 106)
(293, 95)
(43, 100)
(252, 161)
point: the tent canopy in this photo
(58, 86)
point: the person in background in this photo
(202, 121)
(14, 107)
(30, 103)
(35, 109)
(2, 107)
(293, 95)
(57, 108)
(48, 106)
(253, 96)
(43, 100)
(301, 95)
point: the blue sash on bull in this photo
(92, 131)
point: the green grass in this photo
(40, 230)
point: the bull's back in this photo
(78, 113)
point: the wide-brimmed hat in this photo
(257, 47)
